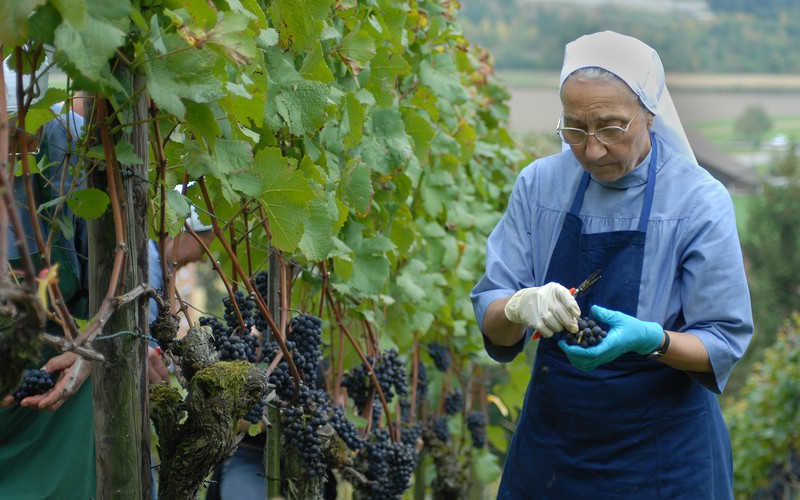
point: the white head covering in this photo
(638, 65)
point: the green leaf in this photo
(300, 105)
(233, 35)
(384, 71)
(387, 147)
(357, 178)
(89, 48)
(317, 241)
(14, 20)
(370, 269)
(267, 38)
(74, 11)
(356, 50)
(35, 118)
(420, 130)
(178, 203)
(314, 66)
(89, 203)
(286, 196)
(352, 122)
(485, 466)
(442, 77)
(186, 73)
(200, 120)
(409, 284)
(299, 22)
(125, 154)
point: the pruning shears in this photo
(587, 283)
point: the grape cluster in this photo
(300, 424)
(440, 356)
(589, 333)
(422, 381)
(346, 429)
(256, 413)
(389, 466)
(358, 385)
(476, 424)
(281, 376)
(231, 347)
(306, 333)
(34, 382)
(453, 401)
(390, 372)
(441, 430)
(246, 305)
(261, 285)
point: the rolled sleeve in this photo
(715, 294)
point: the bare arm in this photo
(497, 328)
(686, 352)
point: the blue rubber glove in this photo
(626, 334)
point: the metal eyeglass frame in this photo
(613, 128)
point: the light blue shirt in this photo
(692, 264)
(155, 278)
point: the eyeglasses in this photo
(606, 135)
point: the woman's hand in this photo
(626, 334)
(74, 372)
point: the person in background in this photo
(188, 250)
(636, 415)
(57, 427)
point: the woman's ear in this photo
(650, 117)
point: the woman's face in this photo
(593, 104)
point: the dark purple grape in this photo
(34, 382)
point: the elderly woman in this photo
(636, 415)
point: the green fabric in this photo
(49, 455)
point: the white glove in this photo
(547, 309)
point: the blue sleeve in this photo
(154, 278)
(508, 264)
(714, 291)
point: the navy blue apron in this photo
(630, 429)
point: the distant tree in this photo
(753, 124)
(761, 8)
(772, 249)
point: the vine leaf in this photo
(14, 21)
(183, 74)
(356, 50)
(88, 46)
(286, 197)
(384, 71)
(369, 266)
(89, 203)
(358, 187)
(314, 66)
(233, 35)
(125, 154)
(317, 241)
(485, 467)
(300, 105)
(387, 147)
(299, 22)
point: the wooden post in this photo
(272, 448)
(120, 385)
